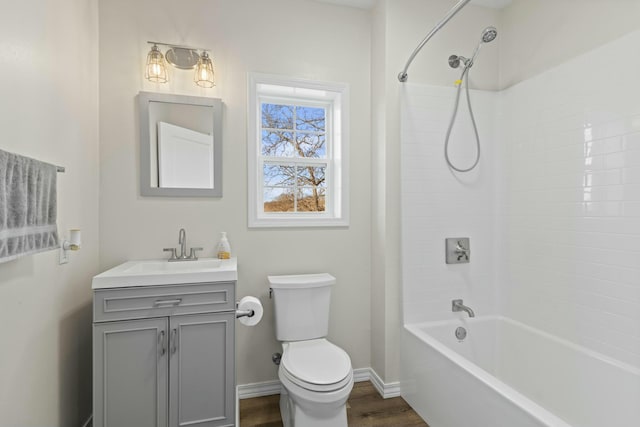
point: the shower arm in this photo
(402, 77)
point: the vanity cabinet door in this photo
(202, 371)
(130, 373)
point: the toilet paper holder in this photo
(243, 313)
(249, 310)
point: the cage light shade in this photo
(156, 70)
(204, 71)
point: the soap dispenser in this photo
(224, 248)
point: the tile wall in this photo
(553, 211)
(437, 204)
(571, 192)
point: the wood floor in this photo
(365, 409)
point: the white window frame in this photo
(286, 90)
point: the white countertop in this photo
(162, 272)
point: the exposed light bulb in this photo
(204, 72)
(156, 70)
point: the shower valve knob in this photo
(458, 250)
(461, 251)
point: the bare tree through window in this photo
(294, 150)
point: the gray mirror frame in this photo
(144, 98)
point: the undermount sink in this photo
(162, 272)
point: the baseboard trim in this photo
(386, 390)
(268, 388)
(362, 374)
(265, 388)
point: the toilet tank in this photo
(301, 304)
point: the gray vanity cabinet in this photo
(164, 356)
(202, 385)
(130, 375)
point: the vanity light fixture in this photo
(204, 71)
(156, 69)
(181, 57)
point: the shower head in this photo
(489, 34)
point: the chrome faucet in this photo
(182, 241)
(457, 305)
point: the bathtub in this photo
(507, 374)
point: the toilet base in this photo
(310, 415)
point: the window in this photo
(297, 149)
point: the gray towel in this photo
(27, 206)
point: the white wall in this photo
(289, 37)
(438, 203)
(572, 200)
(48, 110)
(410, 21)
(570, 196)
(538, 35)
(378, 198)
(398, 27)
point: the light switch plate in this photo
(457, 250)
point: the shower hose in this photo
(463, 77)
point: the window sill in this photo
(282, 222)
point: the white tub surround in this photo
(506, 374)
(437, 204)
(554, 221)
(570, 144)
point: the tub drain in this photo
(461, 333)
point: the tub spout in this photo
(457, 305)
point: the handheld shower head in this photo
(489, 34)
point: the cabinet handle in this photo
(176, 301)
(174, 336)
(163, 349)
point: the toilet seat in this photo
(316, 365)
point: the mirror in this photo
(180, 145)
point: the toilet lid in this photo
(316, 362)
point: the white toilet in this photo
(316, 375)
